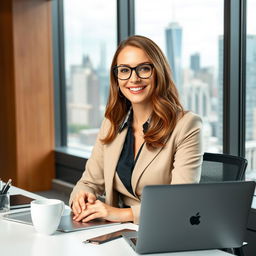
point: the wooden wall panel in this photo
(32, 93)
(8, 158)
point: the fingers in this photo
(92, 217)
(79, 203)
(99, 209)
(76, 208)
(91, 212)
(91, 198)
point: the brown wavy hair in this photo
(167, 108)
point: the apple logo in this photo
(194, 220)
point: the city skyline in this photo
(81, 38)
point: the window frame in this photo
(60, 103)
(234, 75)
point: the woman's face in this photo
(137, 90)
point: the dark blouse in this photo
(127, 162)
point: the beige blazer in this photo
(178, 162)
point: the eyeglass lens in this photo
(142, 71)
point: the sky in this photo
(201, 22)
(88, 25)
(91, 23)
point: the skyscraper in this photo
(197, 97)
(195, 62)
(85, 102)
(103, 75)
(173, 35)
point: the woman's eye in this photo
(144, 68)
(124, 70)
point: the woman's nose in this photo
(134, 77)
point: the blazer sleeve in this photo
(188, 155)
(92, 179)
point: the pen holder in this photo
(4, 202)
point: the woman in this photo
(146, 137)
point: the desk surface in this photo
(20, 239)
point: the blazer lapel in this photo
(144, 160)
(111, 157)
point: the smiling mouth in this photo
(136, 89)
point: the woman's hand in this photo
(99, 209)
(80, 200)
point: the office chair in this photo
(222, 167)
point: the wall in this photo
(26, 94)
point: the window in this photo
(88, 52)
(191, 35)
(250, 145)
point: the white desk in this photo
(20, 239)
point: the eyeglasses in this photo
(124, 72)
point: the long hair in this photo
(167, 108)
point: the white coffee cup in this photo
(46, 215)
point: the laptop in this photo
(67, 224)
(192, 217)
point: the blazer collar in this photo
(128, 122)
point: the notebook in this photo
(66, 223)
(192, 217)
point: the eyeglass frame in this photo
(133, 68)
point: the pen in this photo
(6, 187)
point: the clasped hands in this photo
(87, 207)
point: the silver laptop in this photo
(66, 224)
(192, 217)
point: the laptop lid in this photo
(194, 216)
(67, 224)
